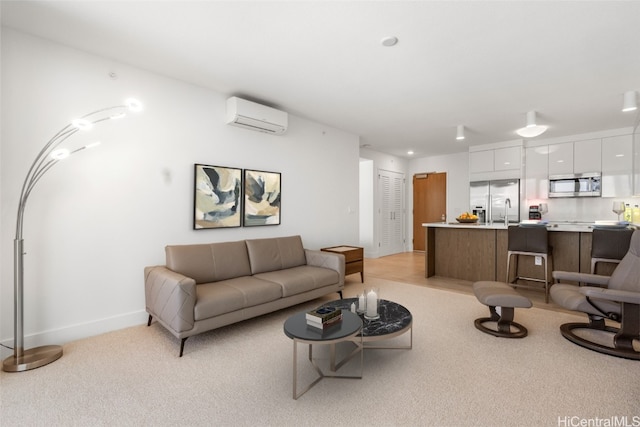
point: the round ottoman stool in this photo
(500, 294)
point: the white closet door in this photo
(391, 212)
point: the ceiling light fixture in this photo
(629, 101)
(410, 152)
(389, 41)
(460, 133)
(531, 130)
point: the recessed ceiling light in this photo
(389, 41)
(410, 152)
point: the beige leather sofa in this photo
(206, 286)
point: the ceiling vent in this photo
(250, 115)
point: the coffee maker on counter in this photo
(481, 213)
(536, 211)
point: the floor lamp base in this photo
(32, 358)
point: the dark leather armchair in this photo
(615, 298)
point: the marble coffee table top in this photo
(394, 318)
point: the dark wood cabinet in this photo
(481, 254)
(353, 259)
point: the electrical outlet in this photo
(538, 260)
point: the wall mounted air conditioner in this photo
(249, 115)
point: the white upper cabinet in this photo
(575, 157)
(561, 159)
(509, 158)
(536, 167)
(495, 163)
(611, 154)
(481, 161)
(587, 156)
(617, 166)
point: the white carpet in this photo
(241, 375)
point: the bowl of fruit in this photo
(467, 218)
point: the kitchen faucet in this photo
(507, 202)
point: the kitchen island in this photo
(479, 251)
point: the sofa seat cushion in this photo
(301, 279)
(214, 299)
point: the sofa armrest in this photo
(329, 260)
(611, 294)
(170, 297)
(593, 279)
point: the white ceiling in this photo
(481, 64)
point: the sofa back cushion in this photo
(210, 262)
(275, 253)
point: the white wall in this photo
(457, 168)
(98, 218)
(367, 223)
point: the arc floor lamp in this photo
(49, 156)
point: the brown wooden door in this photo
(429, 203)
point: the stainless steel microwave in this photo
(576, 185)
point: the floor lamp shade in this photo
(49, 156)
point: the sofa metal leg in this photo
(182, 345)
(340, 293)
(149, 321)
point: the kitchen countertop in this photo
(494, 226)
(575, 226)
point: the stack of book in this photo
(324, 317)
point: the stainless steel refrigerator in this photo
(488, 200)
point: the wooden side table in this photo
(353, 259)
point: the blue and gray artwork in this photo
(217, 197)
(262, 198)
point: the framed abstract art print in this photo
(217, 197)
(261, 198)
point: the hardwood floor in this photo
(408, 267)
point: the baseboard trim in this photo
(78, 331)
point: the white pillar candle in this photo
(372, 303)
(361, 302)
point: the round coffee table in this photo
(296, 328)
(394, 321)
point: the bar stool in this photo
(609, 245)
(529, 241)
